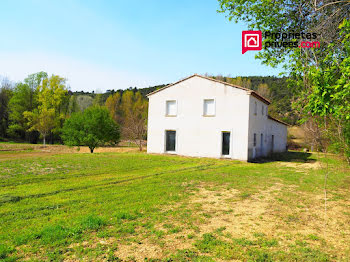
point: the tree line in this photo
(43, 107)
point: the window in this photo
(267, 110)
(255, 109)
(170, 141)
(209, 107)
(171, 108)
(254, 139)
(262, 110)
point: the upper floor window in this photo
(209, 107)
(262, 110)
(171, 108)
(255, 108)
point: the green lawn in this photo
(137, 207)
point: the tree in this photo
(134, 108)
(24, 99)
(18, 104)
(263, 89)
(42, 121)
(73, 105)
(93, 128)
(113, 104)
(129, 110)
(329, 97)
(33, 81)
(49, 115)
(5, 96)
(98, 100)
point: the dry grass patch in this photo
(279, 212)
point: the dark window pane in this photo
(170, 140)
(225, 143)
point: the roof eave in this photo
(277, 120)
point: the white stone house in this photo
(203, 117)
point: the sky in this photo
(99, 45)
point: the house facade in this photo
(203, 117)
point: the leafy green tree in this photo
(263, 89)
(113, 104)
(49, 115)
(24, 99)
(98, 100)
(33, 81)
(330, 93)
(42, 121)
(19, 103)
(73, 105)
(5, 96)
(93, 128)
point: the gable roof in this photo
(249, 91)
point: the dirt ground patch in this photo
(26, 151)
(245, 216)
(265, 213)
(303, 166)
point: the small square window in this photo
(171, 108)
(209, 107)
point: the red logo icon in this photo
(251, 40)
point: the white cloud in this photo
(80, 75)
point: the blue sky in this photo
(100, 45)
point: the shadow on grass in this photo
(290, 156)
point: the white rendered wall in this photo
(198, 135)
(280, 136)
(261, 124)
(258, 125)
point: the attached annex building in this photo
(203, 117)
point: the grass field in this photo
(57, 204)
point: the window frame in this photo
(209, 99)
(166, 107)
